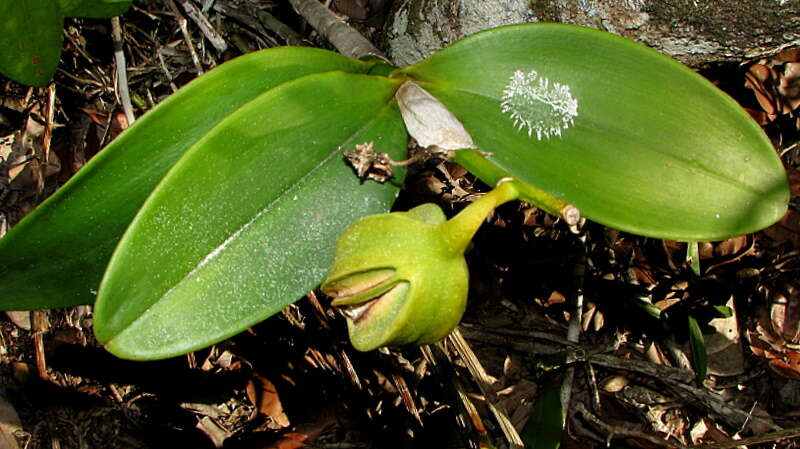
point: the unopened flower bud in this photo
(401, 278)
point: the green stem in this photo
(460, 229)
(489, 172)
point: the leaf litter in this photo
(294, 380)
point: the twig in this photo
(166, 71)
(280, 28)
(122, 71)
(482, 379)
(186, 36)
(771, 437)
(252, 27)
(205, 26)
(734, 417)
(661, 372)
(574, 330)
(47, 136)
(40, 325)
(613, 431)
(467, 416)
(347, 41)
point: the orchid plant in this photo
(224, 204)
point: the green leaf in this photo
(30, 40)
(546, 421)
(723, 311)
(245, 223)
(31, 34)
(693, 257)
(94, 9)
(56, 256)
(699, 356)
(632, 138)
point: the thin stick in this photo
(166, 71)
(47, 136)
(617, 431)
(484, 383)
(40, 324)
(280, 28)
(771, 437)
(205, 26)
(186, 36)
(347, 41)
(574, 330)
(122, 71)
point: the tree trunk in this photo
(695, 32)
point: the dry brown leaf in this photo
(776, 337)
(730, 247)
(724, 348)
(614, 384)
(760, 79)
(213, 431)
(263, 394)
(9, 425)
(289, 441)
(786, 230)
(785, 314)
(789, 85)
(21, 318)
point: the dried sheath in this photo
(428, 121)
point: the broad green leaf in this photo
(632, 138)
(245, 223)
(56, 256)
(30, 40)
(94, 9)
(544, 426)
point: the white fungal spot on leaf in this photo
(534, 103)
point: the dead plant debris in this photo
(294, 381)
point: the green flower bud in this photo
(401, 278)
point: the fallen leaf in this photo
(263, 394)
(213, 431)
(21, 318)
(9, 425)
(723, 347)
(289, 441)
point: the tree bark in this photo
(695, 32)
(346, 40)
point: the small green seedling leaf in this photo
(723, 311)
(31, 34)
(633, 139)
(245, 223)
(699, 355)
(693, 257)
(546, 422)
(56, 256)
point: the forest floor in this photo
(295, 381)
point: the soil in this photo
(295, 381)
